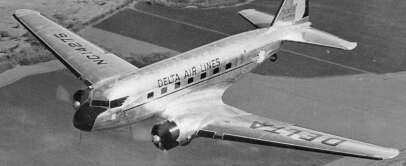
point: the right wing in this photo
(211, 118)
(257, 18)
(263, 131)
(84, 59)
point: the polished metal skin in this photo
(186, 90)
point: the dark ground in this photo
(36, 114)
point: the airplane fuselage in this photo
(224, 60)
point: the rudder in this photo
(292, 12)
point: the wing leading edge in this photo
(258, 130)
(83, 58)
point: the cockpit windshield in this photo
(100, 103)
(117, 102)
(109, 104)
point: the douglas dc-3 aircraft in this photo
(186, 90)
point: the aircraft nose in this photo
(85, 116)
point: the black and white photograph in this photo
(202, 82)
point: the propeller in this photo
(62, 94)
(140, 132)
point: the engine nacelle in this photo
(167, 135)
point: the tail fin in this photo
(292, 12)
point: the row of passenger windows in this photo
(190, 80)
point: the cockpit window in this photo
(117, 102)
(100, 103)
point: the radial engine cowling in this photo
(166, 135)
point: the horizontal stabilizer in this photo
(314, 36)
(257, 18)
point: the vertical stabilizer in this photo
(292, 12)
(295, 12)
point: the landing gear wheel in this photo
(273, 58)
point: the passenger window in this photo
(164, 90)
(216, 70)
(150, 95)
(177, 85)
(228, 65)
(203, 75)
(190, 80)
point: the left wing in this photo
(211, 118)
(83, 58)
(263, 131)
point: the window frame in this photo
(216, 70)
(190, 80)
(203, 74)
(164, 90)
(150, 95)
(177, 85)
(228, 66)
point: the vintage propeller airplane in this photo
(186, 90)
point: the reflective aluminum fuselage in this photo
(152, 87)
